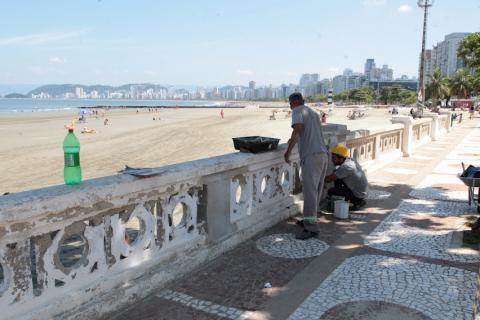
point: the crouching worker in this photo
(349, 178)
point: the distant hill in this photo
(59, 89)
(15, 96)
(17, 88)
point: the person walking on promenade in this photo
(349, 178)
(307, 131)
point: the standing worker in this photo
(307, 131)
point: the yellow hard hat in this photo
(341, 150)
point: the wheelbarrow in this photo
(471, 183)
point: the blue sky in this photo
(215, 42)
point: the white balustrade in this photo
(374, 148)
(63, 247)
(88, 249)
(415, 133)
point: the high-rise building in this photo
(372, 73)
(94, 94)
(325, 85)
(307, 79)
(350, 81)
(284, 90)
(429, 66)
(338, 84)
(251, 85)
(386, 73)
(370, 69)
(348, 72)
(79, 93)
(444, 55)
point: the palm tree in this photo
(475, 84)
(461, 84)
(436, 88)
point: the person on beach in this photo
(349, 179)
(88, 130)
(323, 119)
(307, 132)
(222, 114)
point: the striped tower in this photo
(330, 97)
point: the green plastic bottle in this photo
(72, 173)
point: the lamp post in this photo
(425, 4)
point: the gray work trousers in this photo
(314, 169)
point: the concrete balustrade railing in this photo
(116, 237)
(82, 251)
(439, 124)
(445, 122)
(374, 148)
(415, 133)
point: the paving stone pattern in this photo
(438, 292)
(452, 167)
(355, 216)
(205, 306)
(155, 308)
(374, 194)
(415, 228)
(432, 148)
(441, 187)
(372, 310)
(286, 246)
(236, 279)
(401, 171)
(419, 157)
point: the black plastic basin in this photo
(255, 144)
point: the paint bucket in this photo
(331, 202)
(340, 210)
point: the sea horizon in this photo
(14, 105)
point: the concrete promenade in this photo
(399, 258)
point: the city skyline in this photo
(309, 84)
(215, 43)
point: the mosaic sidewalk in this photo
(423, 226)
(438, 292)
(394, 260)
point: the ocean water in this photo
(34, 105)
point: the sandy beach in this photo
(31, 154)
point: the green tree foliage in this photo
(316, 98)
(469, 51)
(389, 95)
(342, 96)
(437, 88)
(461, 84)
(408, 97)
(475, 84)
(360, 95)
